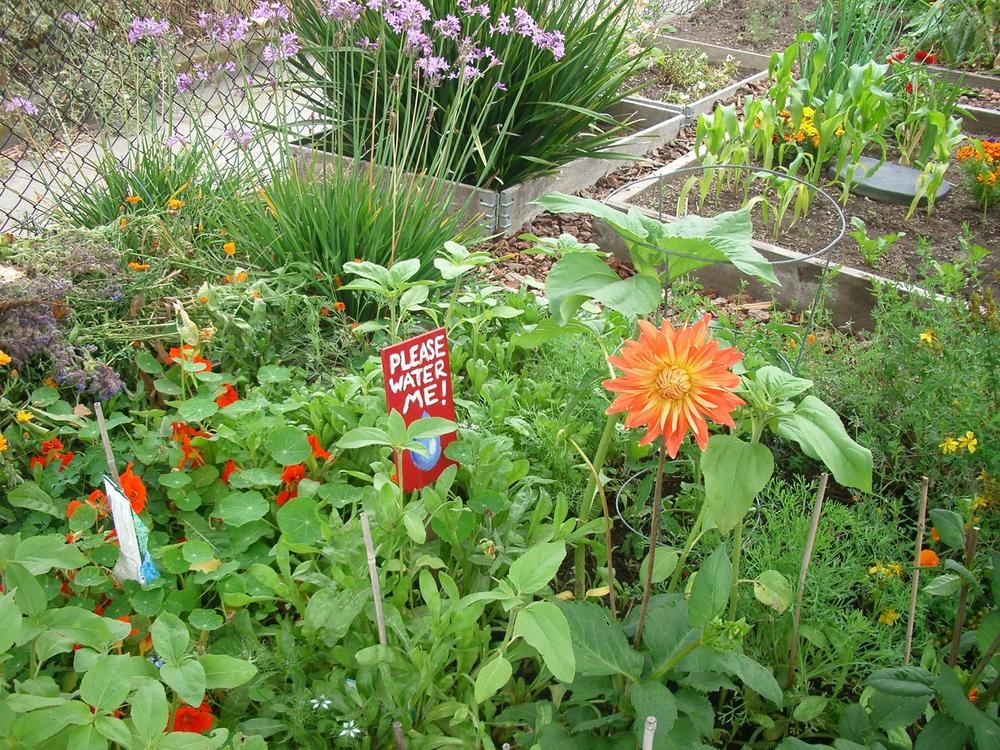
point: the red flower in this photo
(99, 500)
(71, 508)
(101, 606)
(181, 430)
(36, 461)
(197, 720)
(64, 459)
(285, 495)
(52, 451)
(293, 474)
(134, 489)
(921, 56)
(52, 446)
(909, 88)
(186, 354)
(317, 449)
(229, 396)
(227, 470)
(126, 619)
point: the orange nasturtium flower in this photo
(672, 379)
(132, 199)
(929, 558)
(187, 353)
(229, 396)
(133, 265)
(317, 450)
(229, 248)
(134, 489)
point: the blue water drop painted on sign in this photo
(432, 446)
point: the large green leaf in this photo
(579, 277)
(653, 699)
(299, 522)
(543, 626)
(39, 554)
(711, 588)
(942, 733)
(734, 471)
(108, 681)
(821, 435)
(546, 330)
(629, 226)
(536, 567)
(29, 495)
(599, 644)
(226, 672)
(774, 590)
(149, 709)
(492, 676)
(170, 636)
(780, 385)
(333, 612)
(950, 526)
(241, 508)
(755, 676)
(288, 446)
(187, 678)
(10, 622)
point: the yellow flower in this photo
(889, 617)
(5, 358)
(949, 445)
(175, 204)
(3, 443)
(23, 416)
(229, 248)
(138, 266)
(894, 569)
(875, 569)
(979, 503)
(928, 337)
(808, 113)
(968, 441)
(839, 131)
(132, 199)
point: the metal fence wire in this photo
(81, 79)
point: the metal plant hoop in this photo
(823, 252)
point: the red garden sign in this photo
(418, 384)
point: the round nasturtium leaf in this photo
(288, 446)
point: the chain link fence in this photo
(84, 79)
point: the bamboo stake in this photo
(397, 730)
(803, 570)
(971, 539)
(649, 733)
(915, 586)
(654, 528)
(109, 455)
(373, 575)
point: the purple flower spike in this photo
(20, 104)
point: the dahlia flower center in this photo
(673, 383)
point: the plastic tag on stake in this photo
(130, 559)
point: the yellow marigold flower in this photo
(811, 338)
(5, 358)
(894, 569)
(949, 445)
(928, 337)
(3, 443)
(229, 248)
(968, 441)
(839, 131)
(175, 204)
(808, 113)
(875, 569)
(255, 293)
(23, 416)
(889, 617)
(132, 199)
(979, 503)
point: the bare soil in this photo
(763, 26)
(939, 235)
(657, 85)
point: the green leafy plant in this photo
(872, 248)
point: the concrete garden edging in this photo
(849, 292)
(504, 211)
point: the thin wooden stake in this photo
(397, 730)
(109, 455)
(971, 539)
(130, 557)
(373, 574)
(793, 652)
(649, 733)
(915, 586)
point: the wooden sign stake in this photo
(130, 559)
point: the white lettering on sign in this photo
(419, 372)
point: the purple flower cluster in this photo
(343, 11)
(183, 82)
(223, 28)
(448, 27)
(288, 47)
(177, 140)
(20, 104)
(482, 10)
(269, 12)
(243, 137)
(150, 28)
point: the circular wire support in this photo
(823, 254)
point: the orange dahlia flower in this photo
(672, 379)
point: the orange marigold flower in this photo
(138, 266)
(122, 223)
(132, 199)
(672, 379)
(229, 396)
(317, 449)
(339, 306)
(99, 500)
(229, 248)
(227, 471)
(175, 204)
(929, 558)
(974, 694)
(134, 489)
(324, 311)
(935, 534)
(186, 353)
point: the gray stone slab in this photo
(889, 183)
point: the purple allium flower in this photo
(469, 51)
(524, 24)
(448, 27)
(148, 28)
(176, 140)
(554, 41)
(432, 66)
(502, 26)
(266, 12)
(243, 137)
(367, 44)
(289, 46)
(343, 11)
(417, 41)
(20, 104)
(468, 9)
(500, 86)
(183, 82)
(227, 29)
(407, 16)
(471, 73)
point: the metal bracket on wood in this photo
(486, 202)
(505, 213)
(689, 116)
